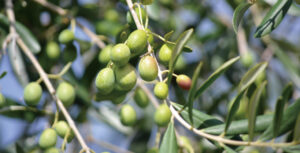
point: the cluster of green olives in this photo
(48, 137)
(66, 37)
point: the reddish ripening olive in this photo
(147, 2)
(162, 115)
(51, 150)
(2, 100)
(120, 54)
(140, 97)
(165, 53)
(125, 77)
(104, 55)
(137, 41)
(62, 128)
(128, 115)
(52, 50)
(148, 68)
(66, 36)
(48, 138)
(32, 94)
(105, 80)
(184, 81)
(161, 90)
(66, 93)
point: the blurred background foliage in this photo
(213, 42)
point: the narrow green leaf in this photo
(3, 74)
(177, 50)
(192, 92)
(228, 149)
(185, 48)
(168, 35)
(238, 14)
(19, 149)
(273, 18)
(253, 106)
(251, 75)
(292, 149)
(169, 142)
(280, 107)
(233, 109)
(215, 75)
(24, 33)
(289, 119)
(297, 129)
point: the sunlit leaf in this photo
(238, 14)
(169, 141)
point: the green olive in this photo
(137, 41)
(184, 81)
(48, 138)
(66, 36)
(161, 90)
(148, 68)
(180, 63)
(162, 115)
(128, 115)
(66, 93)
(69, 53)
(111, 15)
(104, 55)
(119, 99)
(52, 150)
(247, 59)
(32, 94)
(149, 36)
(120, 54)
(141, 98)
(147, 2)
(105, 80)
(52, 50)
(129, 17)
(165, 53)
(125, 77)
(62, 129)
(2, 100)
(107, 27)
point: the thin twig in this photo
(153, 100)
(109, 146)
(24, 108)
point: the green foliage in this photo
(169, 141)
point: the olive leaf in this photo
(253, 105)
(297, 129)
(168, 35)
(273, 18)
(169, 141)
(238, 14)
(177, 50)
(3, 74)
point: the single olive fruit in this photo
(66, 93)
(140, 97)
(52, 50)
(165, 53)
(32, 93)
(247, 59)
(120, 54)
(119, 99)
(148, 68)
(147, 2)
(140, 14)
(180, 63)
(66, 36)
(107, 27)
(62, 127)
(128, 115)
(150, 37)
(48, 138)
(52, 150)
(111, 15)
(162, 115)
(184, 81)
(161, 90)
(69, 53)
(125, 77)
(105, 80)
(137, 41)
(2, 100)
(104, 55)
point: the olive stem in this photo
(55, 118)
(153, 100)
(65, 140)
(23, 108)
(65, 69)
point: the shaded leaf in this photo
(168, 35)
(292, 149)
(273, 18)
(238, 14)
(233, 109)
(228, 149)
(253, 106)
(251, 75)
(215, 75)
(169, 142)
(297, 129)
(185, 48)
(3, 74)
(181, 41)
(19, 149)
